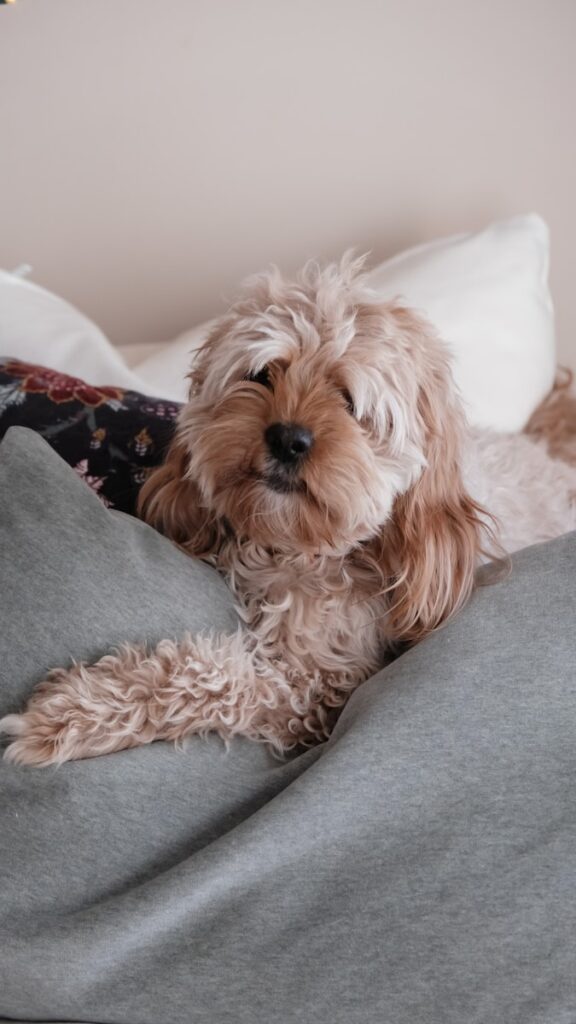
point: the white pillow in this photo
(164, 373)
(37, 326)
(487, 295)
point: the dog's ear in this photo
(171, 502)
(429, 550)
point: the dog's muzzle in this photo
(288, 443)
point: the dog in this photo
(324, 466)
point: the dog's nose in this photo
(288, 442)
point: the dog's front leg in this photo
(219, 684)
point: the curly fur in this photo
(369, 542)
(554, 421)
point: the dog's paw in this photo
(33, 741)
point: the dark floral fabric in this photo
(111, 437)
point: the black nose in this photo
(288, 442)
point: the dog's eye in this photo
(349, 401)
(262, 377)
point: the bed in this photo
(417, 867)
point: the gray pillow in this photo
(79, 578)
(416, 869)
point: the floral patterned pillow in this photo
(111, 437)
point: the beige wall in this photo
(155, 151)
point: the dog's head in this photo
(324, 420)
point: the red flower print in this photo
(59, 387)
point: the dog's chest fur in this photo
(306, 610)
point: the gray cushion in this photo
(419, 868)
(79, 578)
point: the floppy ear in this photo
(171, 502)
(432, 547)
(429, 550)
